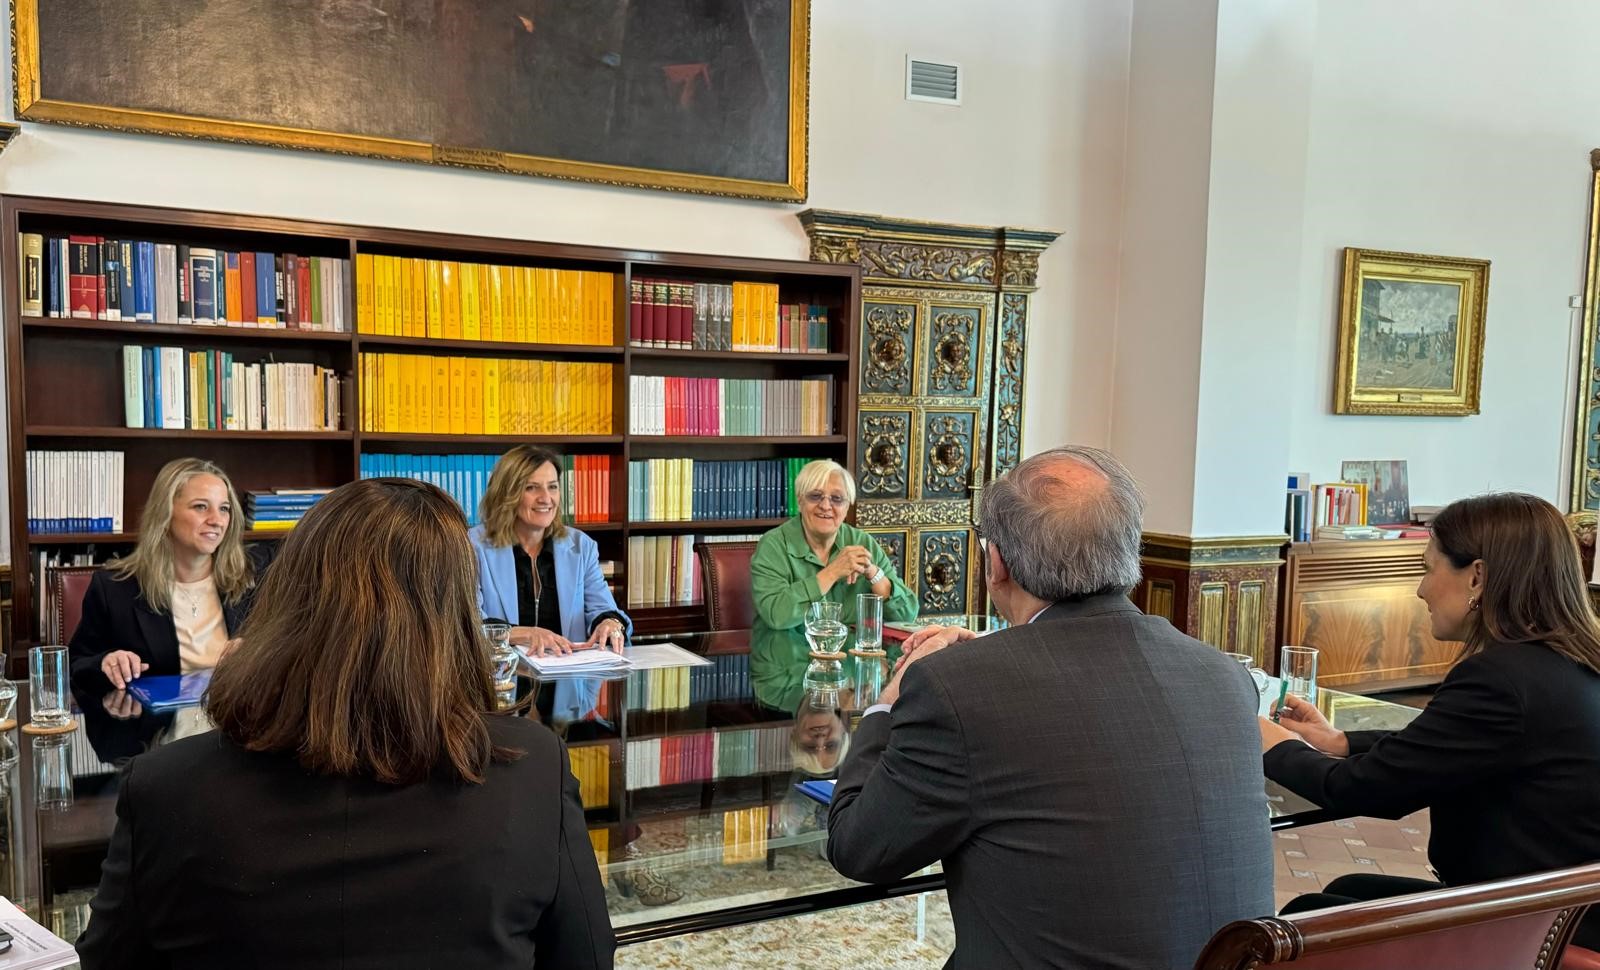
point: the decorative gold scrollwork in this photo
(888, 357)
(934, 264)
(885, 443)
(950, 368)
(944, 572)
(1021, 268)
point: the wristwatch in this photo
(877, 574)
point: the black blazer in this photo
(1506, 756)
(117, 617)
(228, 858)
(1092, 781)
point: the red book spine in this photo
(636, 335)
(659, 306)
(682, 319)
(84, 253)
(247, 288)
(304, 300)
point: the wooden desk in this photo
(1356, 601)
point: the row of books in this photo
(678, 688)
(97, 278)
(675, 489)
(744, 834)
(169, 387)
(422, 394)
(707, 756)
(450, 300)
(280, 509)
(662, 569)
(585, 480)
(74, 491)
(680, 315)
(591, 765)
(715, 406)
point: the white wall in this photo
(1460, 129)
(1036, 143)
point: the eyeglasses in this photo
(817, 498)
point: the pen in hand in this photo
(1283, 697)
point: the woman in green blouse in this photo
(814, 556)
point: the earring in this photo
(1472, 603)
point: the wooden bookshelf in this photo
(64, 377)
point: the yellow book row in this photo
(744, 835)
(421, 394)
(443, 299)
(755, 317)
(591, 765)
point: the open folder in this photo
(170, 692)
(821, 791)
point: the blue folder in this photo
(171, 691)
(821, 791)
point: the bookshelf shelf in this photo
(64, 376)
(486, 346)
(697, 525)
(715, 440)
(725, 355)
(71, 431)
(560, 441)
(195, 331)
(65, 538)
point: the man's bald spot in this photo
(1063, 482)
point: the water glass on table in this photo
(825, 629)
(50, 706)
(869, 623)
(1297, 666)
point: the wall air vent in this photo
(933, 81)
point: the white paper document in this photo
(649, 656)
(580, 662)
(32, 946)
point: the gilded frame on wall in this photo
(782, 179)
(1410, 334)
(1584, 495)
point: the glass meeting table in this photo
(688, 772)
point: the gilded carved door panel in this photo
(921, 432)
(944, 318)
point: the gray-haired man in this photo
(1090, 777)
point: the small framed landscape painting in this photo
(1410, 334)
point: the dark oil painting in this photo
(688, 86)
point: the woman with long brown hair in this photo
(359, 804)
(171, 605)
(1507, 752)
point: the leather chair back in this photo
(725, 576)
(1525, 922)
(66, 586)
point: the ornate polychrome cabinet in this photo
(944, 327)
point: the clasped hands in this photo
(849, 563)
(608, 634)
(1299, 718)
(924, 643)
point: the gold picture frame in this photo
(789, 187)
(1410, 334)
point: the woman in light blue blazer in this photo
(541, 576)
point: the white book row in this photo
(662, 570)
(74, 491)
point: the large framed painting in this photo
(688, 95)
(1410, 334)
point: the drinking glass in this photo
(502, 657)
(50, 705)
(8, 702)
(52, 772)
(825, 631)
(869, 622)
(1298, 667)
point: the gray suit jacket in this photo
(1092, 782)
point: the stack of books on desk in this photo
(1356, 532)
(280, 509)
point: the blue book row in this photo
(674, 489)
(727, 679)
(464, 477)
